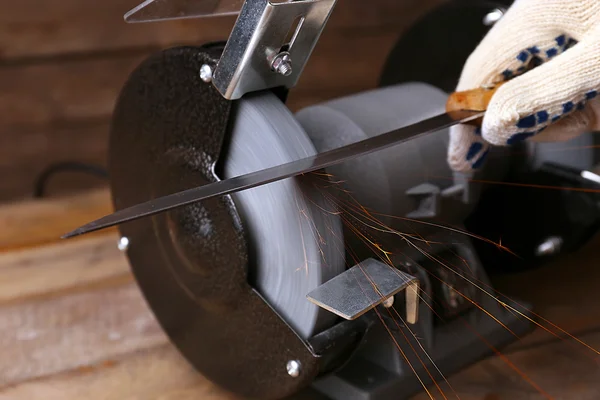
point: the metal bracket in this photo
(269, 45)
(365, 286)
(428, 200)
(166, 10)
(257, 56)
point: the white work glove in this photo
(548, 51)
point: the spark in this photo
(353, 214)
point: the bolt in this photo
(206, 73)
(493, 16)
(293, 368)
(549, 246)
(282, 63)
(123, 243)
(387, 303)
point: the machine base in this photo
(461, 320)
(455, 348)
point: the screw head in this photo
(293, 368)
(387, 303)
(206, 73)
(123, 243)
(550, 246)
(282, 64)
(493, 16)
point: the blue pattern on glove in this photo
(551, 52)
(477, 164)
(507, 74)
(542, 117)
(535, 123)
(523, 56)
(474, 150)
(527, 122)
(519, 137)
(568, 107)
(533, 57)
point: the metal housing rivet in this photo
(550, 246)
(123, 243)
(493, 16)
(206, 73)
(293, 368)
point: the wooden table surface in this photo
(74, 325)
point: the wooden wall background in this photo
(63, 62)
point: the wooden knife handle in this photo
(473, 100)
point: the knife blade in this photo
(467, 107)
(288, 170)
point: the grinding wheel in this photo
(294, 234)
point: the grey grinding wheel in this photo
(294, 233)
(379, 181)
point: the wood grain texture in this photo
(80, 90)
(24, 154)
(153, 374)
(37, 222)
(50, 336)
(66, 267)
(553, 371)
(563, 293)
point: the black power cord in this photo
(68, 166)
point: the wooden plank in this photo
(29, 28)
(161, 373)
(65, 267)
(553, 371)
(39, 95)
(24, 154)
(39, 222)
(49, 336)
(563, 293)
(69, 304)
(154, 374)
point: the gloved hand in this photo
(548, 51)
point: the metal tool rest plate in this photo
(363, 287)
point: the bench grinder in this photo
(337, 284)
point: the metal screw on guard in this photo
(282, 64)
